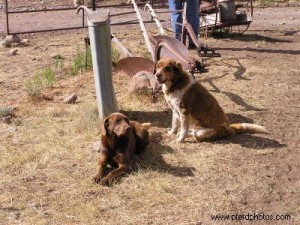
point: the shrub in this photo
(35, 87)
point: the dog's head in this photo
(116, 124)
(167, 70)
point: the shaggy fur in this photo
(194, 110)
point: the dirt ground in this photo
(47, 161)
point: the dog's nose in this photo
(158, 76)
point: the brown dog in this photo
(120, 139)
(194, 109)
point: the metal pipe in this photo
(94, 5)
(6, 16)
(155, 17)
(100, 39)
(143, 28)
(74, 28)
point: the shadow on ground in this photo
(157, 118)
(152, 159)
(248, 37)
(253, 142)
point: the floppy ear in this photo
(176, 70)
(154, 68)
(179, 66)
(104, 128)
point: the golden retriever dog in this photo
(194, 110)
(120, 139)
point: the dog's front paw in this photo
(180, 137)
(180, 140)
(171, 132)
(97, 178)
(107, 181)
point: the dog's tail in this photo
(147, 126)
(239, 128)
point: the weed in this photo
(147, 55)
(78, 63)
(58, 60)
(89, 62)
(35, 87)
(115, 55)
(40, 80)
(7, 111)
(48, 77)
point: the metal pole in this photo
(83, 22)
(6, 17)
(100, 39)
(94, 5)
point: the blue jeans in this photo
(191, 15)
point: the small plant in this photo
(89, 62)
(78, 63)
(40, 80)
(7, 111)
(35, 87)
(58, 60)
(115, 55)
(49, 77)
(147, 55)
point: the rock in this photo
(25, 41)
(6, 119)
(12, 39)
(283, 23)
(97, 146)
(144, 80)
(70, 99)
(257, 46)
(3, 42)
(13, 51)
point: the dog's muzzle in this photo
(159, 78)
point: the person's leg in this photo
(192, 16)
(176, 17)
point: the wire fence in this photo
(29, 18)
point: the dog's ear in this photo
(179, 66)
(154, 68)
(175, 70)
(104, 129)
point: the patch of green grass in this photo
(78, 63)
(58, 61)
(7, 111)
(41, 80)
(34, 88)
(147, 55)
(115, 55)
(48, 77)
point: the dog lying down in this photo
(120, 139)
(194, 110)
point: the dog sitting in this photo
(120, 139)
(194, 110)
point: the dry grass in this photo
(47, 162)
